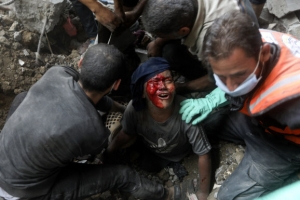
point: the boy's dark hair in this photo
(168, 16)
(102, 65)
(232, 30)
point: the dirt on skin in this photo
(19, 70)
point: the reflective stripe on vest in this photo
(282, 84)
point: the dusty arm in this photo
(204, 167)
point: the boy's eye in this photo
(169, 80)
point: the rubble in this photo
(19, 37)
(282, 7)
(33, 13)
(282, 16)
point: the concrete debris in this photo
(294, 30)
(6, 20)
(14, 26)
(19, 37)
(285, 14)
(32, 13)
(21, 62)
(282, 7)
(4, 41)
(266, 16)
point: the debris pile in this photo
(282, 16)
(25, 25)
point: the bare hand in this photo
(109, 19)
(201, 196)
(129, 20)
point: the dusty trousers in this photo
(79, 181)
(269, 163)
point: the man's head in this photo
(171, 19)
(101, 66)
(233, 47)
(152, 85)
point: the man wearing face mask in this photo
(259, 70)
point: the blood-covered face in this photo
(160, 89)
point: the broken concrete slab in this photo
(4, 41)
(266, 16)
(294, 30)
(282, 7)
(32, 13)
(289, 19)
(6, 20)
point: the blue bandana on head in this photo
(141, 75)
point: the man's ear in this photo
(265, 52)
(117, 84)
(184, 31)
(80, 62)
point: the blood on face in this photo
(160, 89)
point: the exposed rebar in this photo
(40, 41)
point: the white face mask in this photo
(245, 87)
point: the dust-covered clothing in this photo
(208, 11)
(179, 53)
(271, 129)
(55, 123)
(171, 140)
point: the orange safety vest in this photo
(281, 85)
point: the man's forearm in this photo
(94, 5)
(119, 141)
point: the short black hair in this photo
(168, 16)
(102, 65)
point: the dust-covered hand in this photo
(109, 19)
(199, 109)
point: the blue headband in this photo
(141, 75)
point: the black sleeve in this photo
(105, 104)
(287, 113)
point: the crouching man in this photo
(153, 116)
(57, 121)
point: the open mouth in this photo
(163, 96)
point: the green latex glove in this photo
(289, 192)
(200, 108)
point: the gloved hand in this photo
(201, 107)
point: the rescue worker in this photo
(259, 70)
